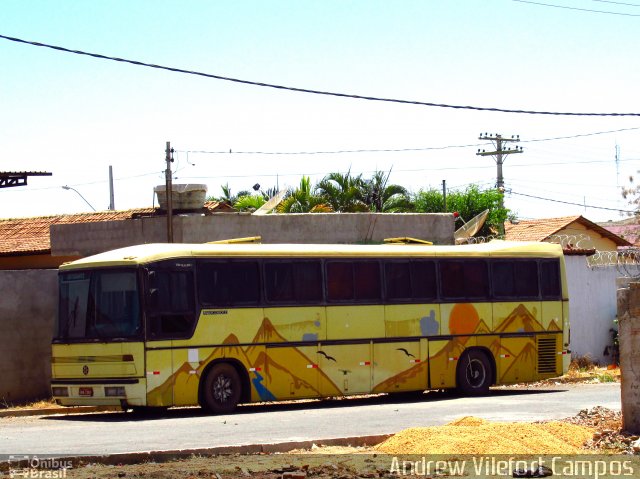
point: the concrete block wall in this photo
(629, 336)
(27, 313)
(90, 238)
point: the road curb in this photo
(57, 410)
(128, 458)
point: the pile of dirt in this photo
(471, 435)
(609, 436)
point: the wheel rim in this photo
(476, 373)
(222, 389)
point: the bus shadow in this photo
(329, 403)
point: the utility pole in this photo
(168, 191)
(112, 203)
(499, 155)
(444, 194)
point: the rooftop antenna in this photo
(470, 228)
(271, 203)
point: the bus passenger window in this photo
(367, 280)
(339, 281)
(464, 279)
(279, 281)
(502, 275)
(423, 280)
(476, 278)
(550, 279)
(171, 303)
(292, 282)
(307, 280)
(452, 279)
(398, 280)
(526, 279)
(229, 283)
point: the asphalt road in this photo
(109, 433)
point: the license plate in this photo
(86, 391)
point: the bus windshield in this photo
(99, 304)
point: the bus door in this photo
(170, 318)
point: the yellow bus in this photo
(163, 325)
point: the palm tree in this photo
(249, 202)
(382, 197)
(302, 200)
(342, 192)
(227, 197)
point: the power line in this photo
(86, 183)
(618, 3)
(390, 150)
(581, 135)
(572, 203)
(576, 8)
(307, 90)
(334, 152)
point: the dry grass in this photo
(583, 368)
(40, 404)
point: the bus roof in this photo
(148, 253)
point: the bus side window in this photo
(229, 283)
(339, 281)
(398, 280)
(293, 281)
(423, 280)
(550, 279)
(464, 279)
(353, 281)
(367, 280)
(170, 303)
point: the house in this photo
(629, 229)
(25, 243)
(574, 233)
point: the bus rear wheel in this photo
(474, 374)
(222, 389)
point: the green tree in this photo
(467, 203)
(249, 202)
(382, 197)
(344, 193)
(226, 196)
(302, 200)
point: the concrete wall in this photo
(27, 311)
(592, 308)
(89, 238)
(629, 315)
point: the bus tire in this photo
(474, 374)
(222, 389)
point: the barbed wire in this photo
(626, 262)
(479, 239)
(572, 241)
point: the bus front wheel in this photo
(222, 389)
(474, 374)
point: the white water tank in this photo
(183, 197)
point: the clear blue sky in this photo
(74, 115)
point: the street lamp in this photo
(65, 187)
